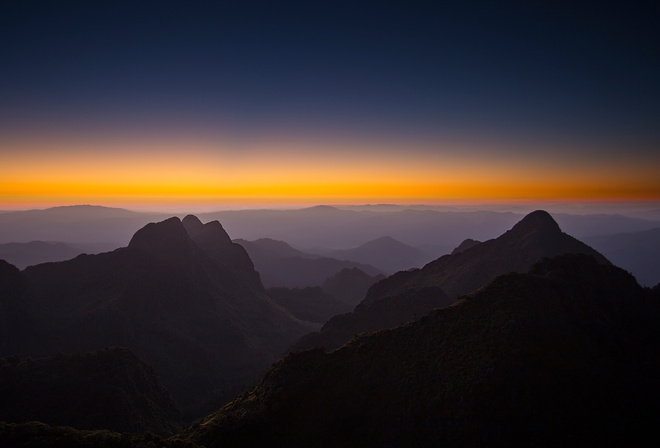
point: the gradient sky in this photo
(138, 103)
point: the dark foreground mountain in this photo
(281, 265)
(566, 355)
(190, 305)
(106, 389)
(41, 435)
(536, 235)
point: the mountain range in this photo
(470, 266)
(181, 296)
(529, 338)
(565, 355)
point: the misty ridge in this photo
(377, 239)
(327, 327)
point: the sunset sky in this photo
(165, 103)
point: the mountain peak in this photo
(192, 224)
(536, 221)
(165, 237)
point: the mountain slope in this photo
(107, 389)
(536, 235)
(281, 265)
(199, 316)
(566, 355)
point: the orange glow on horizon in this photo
(206, 173)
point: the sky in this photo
(236, 104)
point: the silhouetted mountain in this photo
(387, 312)
(204, 326)
(281, 265)
(106, 389)
(536, 235)
(215, 242)
(22, 255)
(566, 355)
(465, 245)
(311, 304)
(350, 285)
(385, 253)
(637, 252)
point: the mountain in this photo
(637, 252)
(565, 355)
(350, 285)
(106, 389)
(536, 235)
(385, 253)
(281, 265)
(196, 311)
(22, 255)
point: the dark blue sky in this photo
(585, 73)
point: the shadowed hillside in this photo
(107, 389)
(565, 355)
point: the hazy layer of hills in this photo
(565, 355)
(106, 389)
(385, 253)
(637, 252)
(281, 265)
(182, 296)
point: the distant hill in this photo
(190, 305)
(107, 389)
(566, 355)
(637, 252)
(350, 285)
(74, 224)
(385, 253)
(536, 235)
(281, 265)
(22, 255)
